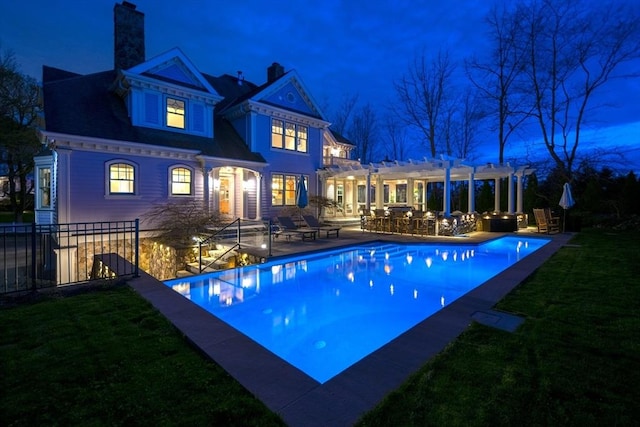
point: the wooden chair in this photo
(544, 224)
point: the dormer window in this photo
(175, 113)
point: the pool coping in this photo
(302, 401)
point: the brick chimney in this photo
(128, 29)
(274, 72)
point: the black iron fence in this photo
(38, 256)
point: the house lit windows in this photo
(276, 133)
(44, 180)
(289, 136)
(175, 113)
(121, 178)
(302, 138)
(283, 190)
(181, 181)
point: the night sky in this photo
(337, 47)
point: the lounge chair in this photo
(547, 225)
(312, 222)
(290, 229)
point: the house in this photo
(157, 130)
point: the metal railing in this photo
(234, 236)
(38, 256)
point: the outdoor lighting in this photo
(263, 246)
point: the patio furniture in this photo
(545, 222)
(290, 229)
(313, 222)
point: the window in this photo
(276, 133)
(180, 181)
(289, 136)
(283, 190)
(121, 178)
(44, 178)
(302, 139)
(175, 113)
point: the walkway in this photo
(341, 401)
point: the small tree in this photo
(19, 109)
(176, 224)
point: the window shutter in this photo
(151, 110)
(198, 117)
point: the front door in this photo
(225, 196)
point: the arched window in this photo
(122, 178)
(181, 179)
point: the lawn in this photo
(106, 357)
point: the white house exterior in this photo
(157, 130)
(154, 131)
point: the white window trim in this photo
(107, 180)
(170, 181)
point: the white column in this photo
(520, 196)
(367, 195)
(496, 201)
(510, 201)
(215, 203)
(471, 207)
(446, 202)
(206, 190)
(411, 201)
(258, 177)
(379, 192)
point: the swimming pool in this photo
(323, 312)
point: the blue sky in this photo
(337, 47)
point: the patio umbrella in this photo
(302, 199)
(566, 201)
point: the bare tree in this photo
(496, 76)
(342, 118)
(572, 51)
(19, 109)
(396, 141)
(364, 132)
(422, 92)
(470, 116)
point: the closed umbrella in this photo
(302, 199)
(566, 201)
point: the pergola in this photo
(433, 170)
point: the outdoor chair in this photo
(290, 229)
(545, 225)
(313, 222)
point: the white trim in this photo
(84, 143)
(167, 57)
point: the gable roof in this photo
(261, 94)
(85, 105)
(173, 66)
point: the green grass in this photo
(108, 358)
(574, 362)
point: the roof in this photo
(85, 105)
(339, 138)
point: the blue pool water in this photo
(323, 312)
